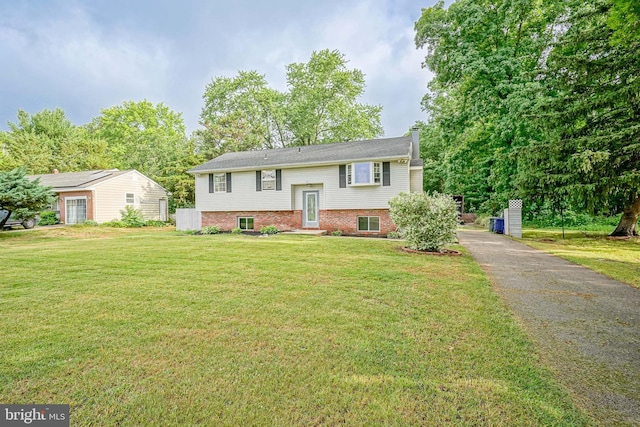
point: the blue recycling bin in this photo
(498, 226)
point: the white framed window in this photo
(368, 223)
(364, 173)
(130, 198)
(269, 179)
(245, 223)
(75, 210)
(219, 182)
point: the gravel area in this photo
(586, 326)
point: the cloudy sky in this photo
(85, 55)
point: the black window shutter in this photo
(342, 172)
(386, 174)
(211, 183)
(228, 182)
(258, 181)
(278, 179)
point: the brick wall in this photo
(283, 220)
(345, 220)
(62, 196)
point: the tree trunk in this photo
(629, 219)
(4, 220)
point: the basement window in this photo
(245, 223)
(368, 223)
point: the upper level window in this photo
(269, 179)
(130, 198)
(364, 173)
(219, 182)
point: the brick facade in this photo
(283, 220)
(62, 205)
(345, 220)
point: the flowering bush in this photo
(426, 222)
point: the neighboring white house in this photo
(100, 195)
(344, 186)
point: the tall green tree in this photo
(589, 112)
(151, 139)
(21, 196)
(140, 135)
(48, 140)
(320, 106)
(240, 113)
(483, 53)
(322, 103)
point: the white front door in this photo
(310, 210)
(75, 211)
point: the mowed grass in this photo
(616, 258)
(154, 327)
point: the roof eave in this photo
(296, 165)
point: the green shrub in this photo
(132, 217)
(426, 222)
(269, 229)
(482, 220)
(48, 218)
(336, 233)
(236, 230)
(394, 235)
(210, 229)
(90, 223)
(114, 223)
(155, 223)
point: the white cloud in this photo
(86, 55)
(71, 60)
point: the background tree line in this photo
(535, 100)
(239, 113)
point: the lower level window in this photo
(368, 223)
(245, 223)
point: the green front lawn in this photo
(154, 327)
(616, 258)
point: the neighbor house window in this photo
(368, 223)
(269, 179)
(219, 182)
(130, 198)
(363, 173)
(245, 223)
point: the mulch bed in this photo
(444, 252)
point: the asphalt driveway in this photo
(586, 326)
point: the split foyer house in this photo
(100, 195)
(343, 186)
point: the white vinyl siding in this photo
(296, 180)
(111, 196)
(416, 180)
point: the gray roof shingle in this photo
(76, 180)
(386, 148)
